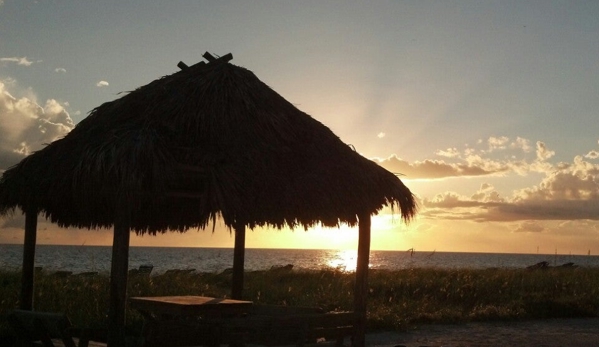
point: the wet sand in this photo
(542, 333)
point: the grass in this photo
(397, 299)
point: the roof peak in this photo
(211, 60)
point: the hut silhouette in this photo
(209, 141)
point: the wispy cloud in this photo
(521, 143)
(449, 153)
(19, 60)
(436, 169)
(8, 81)
(60, 69)
(102, 84)
(481, 160)
(496, 143)
(381, 135)
(529, 226)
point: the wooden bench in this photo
(283, 325)
(48, 330)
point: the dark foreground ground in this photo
(573, 332)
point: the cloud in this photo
(487, 193)
(8, 81)
(60, 69)
(102, 84)
(449, 153)
(436, 169)
(542, 152)
(529, 226)
(26, 126)
(13, 220)
(592, 155)
(450, 206)
(569, 192)
(545, 210)
(20, 61)
(497, 142)
(566, 191)
(522, 144)
(381, 135)
(449, 200)
(497, 156)
(578, 180)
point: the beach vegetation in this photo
(398, 299)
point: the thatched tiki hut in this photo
(210, 141)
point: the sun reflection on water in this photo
(343, 260)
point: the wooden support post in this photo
(238, 262)
(118, 280)
(28, 271)
(361, 289)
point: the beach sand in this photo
(542, 333)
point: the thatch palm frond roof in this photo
(210, 140)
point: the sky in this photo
(487, 109)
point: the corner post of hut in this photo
(28, 271)
(119, 277)
(361, 289)
(238, 261)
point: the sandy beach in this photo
(579, 332)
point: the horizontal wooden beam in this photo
(224, 59)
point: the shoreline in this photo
(97, 258)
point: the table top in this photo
(188, 305)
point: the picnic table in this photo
(187, 320)
(197, 320)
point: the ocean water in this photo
(97, 258)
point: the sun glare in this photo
(344, 260)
